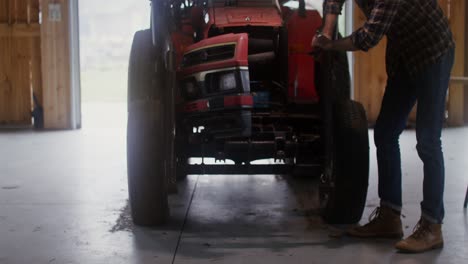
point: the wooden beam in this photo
(22, 11)
(466, 63)
(6, 88)
(55, 50)
(456, 102)
(459, 80)
(20, 30)
(21, 80)
(15, 82)
(4, 11)
(370, 76)
(20, 67)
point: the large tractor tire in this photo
(344, 191)
(341, 72)
(343, 188)
(146, 134)
(333, 78)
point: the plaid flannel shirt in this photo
(417, 31)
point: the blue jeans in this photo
(429, 89)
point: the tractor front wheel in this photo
(146, 133)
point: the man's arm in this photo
(331, 10)
(345, 44)
(369, 35)
(329, 25)
(378, 24)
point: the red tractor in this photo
(234, 80)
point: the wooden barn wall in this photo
(55, 40)
(370, 74)
(456, 102)
(35, 59)
(20, 60)
(466, 63)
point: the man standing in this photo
(420, 55)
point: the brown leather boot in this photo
(383, 223)
(426, 236)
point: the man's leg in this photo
(432, 87)
(432, 92)
(399, 99)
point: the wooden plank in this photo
(456, 93)
(21, 82)
(34, 11)
(20, 30)
(5, 65)
(36, 61)
(36, 69)
(34, 47)
(466, 63)
(10, 11)
(5, 85)
(5, 79)
(21, 11)
(13, 10)
(20, 67)
(370, 76)
(56, 64)
(15, 82)
(459, 80)
(4, 11)
(15, 70)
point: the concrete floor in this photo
(63, 199)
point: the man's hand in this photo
(321, 42)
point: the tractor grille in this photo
(217, 53)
